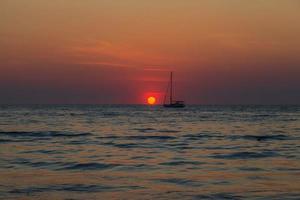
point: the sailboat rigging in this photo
(172, 103)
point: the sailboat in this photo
(172, 103)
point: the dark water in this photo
(141, 152)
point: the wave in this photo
(168, 131)
(137, 167)
(261, 137)
(176, 163)
(198, 136)
(139, 137)
(221, 195)
(36, 164)
(6, 141)
(179, 181)
(127, 145)
(43, 152)
(89, 166)
(57, 166)
(245, 168)
(246, 155)
(44, 134)
(72, 188)
(181, 146)
(145, 130)
(152, 137)
(150, 130)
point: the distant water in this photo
(140, 152)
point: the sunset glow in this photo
(113, 52)
(151, 100)
(140, 99)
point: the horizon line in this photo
(144, 104)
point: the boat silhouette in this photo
(172, 103)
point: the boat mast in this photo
(171, 92)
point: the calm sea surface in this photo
(141, 152)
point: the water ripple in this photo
(180, 181)
(44, 134)
(260, 137)
(89, 166)
(72, 188)
(199, 152)
(176, 163)
(246, 155)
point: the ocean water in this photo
(142, 152)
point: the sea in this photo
(73, 152)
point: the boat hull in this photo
(174, 105)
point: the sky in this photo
(122, 51)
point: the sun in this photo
(151, 100)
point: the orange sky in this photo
(103, 51)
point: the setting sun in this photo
(151, 100)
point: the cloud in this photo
(116, 55)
